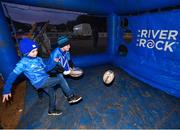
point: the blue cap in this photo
(26, 45)
(63, 41)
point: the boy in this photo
(35, 70)
(60, 56)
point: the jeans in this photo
(49, 88)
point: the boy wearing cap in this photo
(60, 56)
(35, 70)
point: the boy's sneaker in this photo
(55, 113)
(74, 99)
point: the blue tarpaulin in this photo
(154, 53)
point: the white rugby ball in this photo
(76, 72)
(108, 77)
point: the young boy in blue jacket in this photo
(35, 70)
(60, 57)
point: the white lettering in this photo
(163, 34)
(149, 33)
(172, 34)
(158, 39)
(168, 46)
(144, 33)
(157, 43)
(142, 42)
(155, 33)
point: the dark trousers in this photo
(49, 88)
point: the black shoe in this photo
(74, 99)
(55, 113)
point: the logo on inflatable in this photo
(162, 40)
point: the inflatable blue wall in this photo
(8, 56)
(153, 55)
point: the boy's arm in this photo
(8, 85)
(66, 63)
(71, 64)
(49, 64)
(11, 78)
(68, 55)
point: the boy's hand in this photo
(6, 97)
(56, 59)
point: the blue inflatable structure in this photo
(143, 44)
(153, 55)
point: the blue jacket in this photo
(63, 59)
(34, 69)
